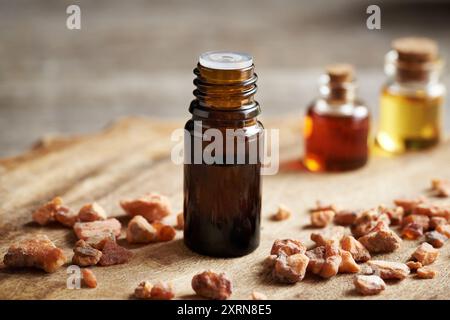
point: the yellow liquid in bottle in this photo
(409, 122)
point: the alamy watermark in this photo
(226, 147)
(73, 21)
(74, 278)
(373, 22)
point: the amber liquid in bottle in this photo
(336, 125)
(222, 201)
(335, 143)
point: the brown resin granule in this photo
(92, 212)
(37, 251)
(427, 209)
(409, 204)
(258, 296)
(85, 230)
(358, 251)
(152, 207)
(321, 207)
(444, 229)
(290, 269)
(85, 255)
(421, 220)
(389, 269)
(369, 285)
(414, 265)
(365, 269)
(158, 291)
(180, 221)
(433, 210)
(162, 291)
(426, 273)
(412, 231)
(66, 217)
(381, 240)
(395, 215)
(437, 221)
(46, 213)
(143, 290)
(287, 247)
(139, 230)
(211, 285)
(440, 187)
(324, 261)
(425, 254)
(330, 235)
(367, 220)
(345, 217)
(283, 213)
(113, 254)
(89, 278)
(348, 264)
(164, 232)
(436, 239)
(320, 219)
(99, 240)
(361, 229)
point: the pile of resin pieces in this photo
(335, 251)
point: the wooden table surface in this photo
(131, 158)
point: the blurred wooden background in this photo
(136, 57)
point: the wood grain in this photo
(132, 157)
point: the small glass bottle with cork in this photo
(336, 125)
(412, 100)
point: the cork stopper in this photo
(340, 72)
(414, 59)
(416, 49)
(338, 82)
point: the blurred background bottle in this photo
(412, 100)
(336, 124)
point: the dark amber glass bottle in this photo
(222, 199)
(336, 125)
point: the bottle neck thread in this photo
(225, 89)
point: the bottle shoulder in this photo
(249, 127)
(414, 89)
(356, 108)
